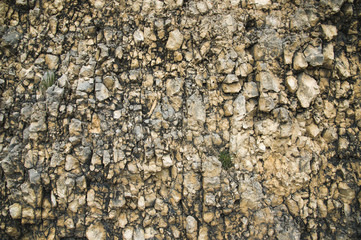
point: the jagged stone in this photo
(148, 98)
(52, 61)
(291, 83)
(250, 90)
(307, 90)
(329, 31)
(268, 82)
(96, 231)
(299, 61)
(101, 92)
(175, 40)
(314, 55)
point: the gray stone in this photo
(75, 127)
(15, 211)
(202, 7)
(333, 5)
(228, 108)
(21, 2)
(191, 225)
(101, 92)
(300, 20)
(261, 3)
(329, 55)
(343, 67)
(314, 55)
(119, 52)
(98, 4)
(34, 177)
(268, 82)
(85, 85)
(239, 108)
(250, 90)
(225, 65)
(196, 111)
(11, 38)
(307, 90)
(231, 78)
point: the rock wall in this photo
(149, 93)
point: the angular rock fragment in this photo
(268, 82)
(329, 31)
(314, 55)
(307, 90)
(250, 90)
(299, 61)
(175, 40)
(96, 231)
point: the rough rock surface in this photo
(126, 143)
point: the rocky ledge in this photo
(180, 119)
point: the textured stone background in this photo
(125, 144)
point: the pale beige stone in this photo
(96, 231)
(175, 40)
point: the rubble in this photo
(152, 98)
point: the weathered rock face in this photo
(127, 142)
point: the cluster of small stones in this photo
(125, 144)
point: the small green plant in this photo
(47, 81)
(226, 159)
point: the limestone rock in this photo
(174, 86)
(52, 61)
(86, 71)
(138, 36)
(329, 56)
(232, 88)
(343, 66)
(196, 111)
(314, 55)
(291, 83)
(329, 31)
(175, 40)
(231, 78)
(299, 61)
(239, 108)
(307, 90)
(266, 103)
(250, 90)
(191, 227)
(228, 108)
(98, 4)
(15, 211)
(334, 5)
(261, 3)
(96, 231)
(101, 92)
(268, 82)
